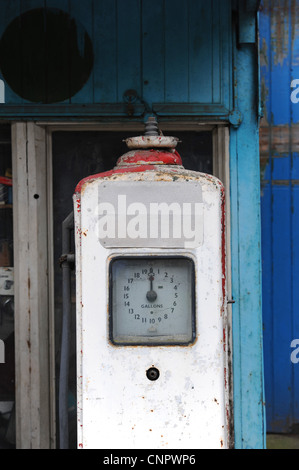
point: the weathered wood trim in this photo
(31, 286)
(221, 169)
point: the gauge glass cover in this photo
(152, 300)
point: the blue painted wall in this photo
(279, 41)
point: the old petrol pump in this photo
(151, 303)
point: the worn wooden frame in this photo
(29, 156)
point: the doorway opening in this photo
(75, 155)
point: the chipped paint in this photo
(151, 142)
(152, 156)
(283, 14)
(178, 408)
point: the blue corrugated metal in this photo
(279, 36)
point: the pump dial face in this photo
(152, 300)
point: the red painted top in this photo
(5, 180)
(137, 161)
(161, 157)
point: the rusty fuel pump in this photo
(151, 303)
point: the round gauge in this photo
(152, 300)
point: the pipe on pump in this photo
(66, 259)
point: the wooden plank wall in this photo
(168, 51)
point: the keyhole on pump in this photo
(151, 295)
(152, 373)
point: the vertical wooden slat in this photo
(294, 74)
(282, 308)
(246, 261)
(38, 272)
(216, 51)
(200, 50)
(267, 283)
(176, 51)
(295, 297)
(266, 221)
(51, 289)
(31, 293)
(22, 285)
(280, 60)
(83, 14)
(153, 51)
(128, 47)
(105, 48)
(221, 169)
(224, 75)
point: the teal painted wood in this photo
(85, 25)
(128, 47)
(249, 409)
(105, 52)
(153, 51)
(162, 53)
(176, 45)
(201, 58)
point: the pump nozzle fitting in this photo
(151, 127)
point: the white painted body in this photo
(118, 407)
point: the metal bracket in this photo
(66, 259)
(235, 118)
(69, 259)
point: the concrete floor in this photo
(282, 441)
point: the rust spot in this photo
(221, 442)
(85, 233)
(277, 140)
